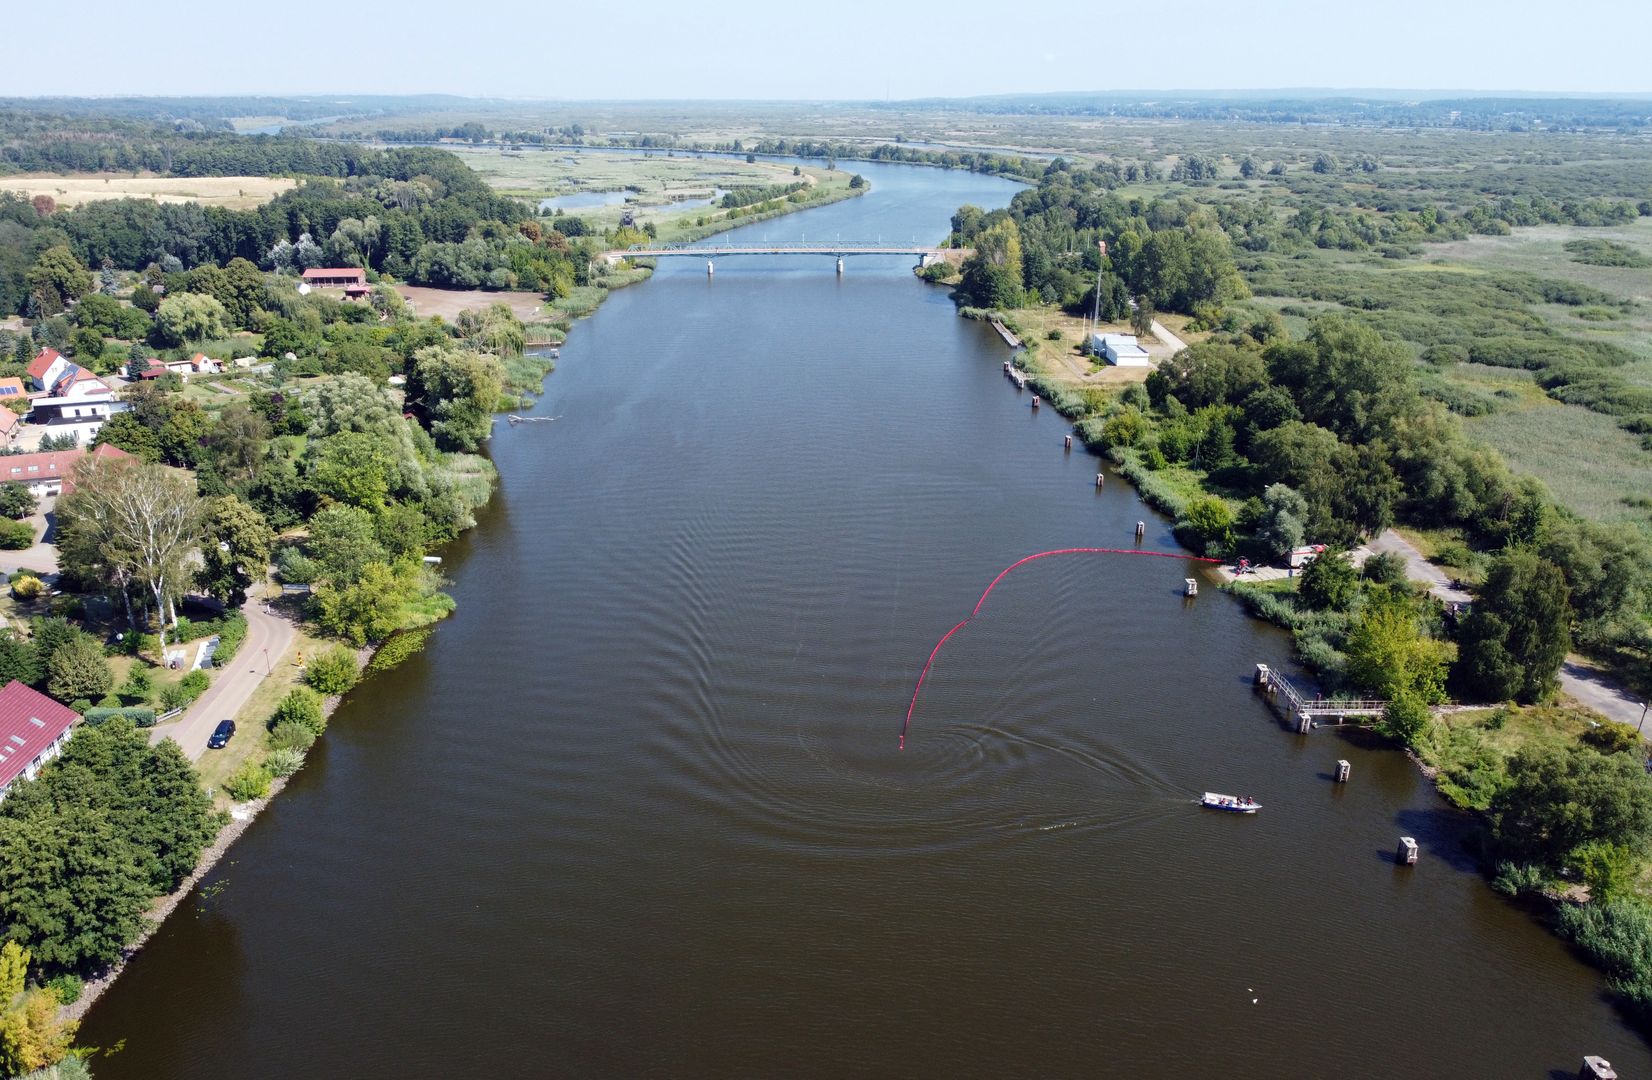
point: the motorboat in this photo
(1232, 804)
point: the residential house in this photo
(335, 277)
(11, 427)
(33, 731)
(77, 403)
(45, 369)
(48, 473)
(202, 364)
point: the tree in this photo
(1405, 718)
(236, 546)
(1389, 655)
(342, 542)
(1209, 521)
(457, 392)
(1517, 635)
(1330, 582)
(17, 501)
(190, 317)
(31, 1035)
(79, 670)
(352, 467)
(130, 522)
(18, 660)
(56, 280)
(1141, 316)
(1283, 523)
(68, 887)
(371, 608)
(1558, 799)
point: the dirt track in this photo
(449, 302)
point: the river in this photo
(639, 810)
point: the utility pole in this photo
(267, 671)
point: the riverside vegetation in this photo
(318, 466)
(1257, 440)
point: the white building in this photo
(1121, 350)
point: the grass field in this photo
(656, 176)
(231, 192)
(1589, 463)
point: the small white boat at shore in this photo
(1232, 804)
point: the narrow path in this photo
(1577, 680)
(234, 684)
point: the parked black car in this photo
(221, 735)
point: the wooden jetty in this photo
(1004, 332)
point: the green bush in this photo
(232, 631)
(301, 706)
(173, 696)
(284, 761)
(291, 735)
(195, 683)
(140, 715)
(139, 684)
(66, 987)
(332, 671)
(1518, 879)
(15, 535)
(398, 648)
(248, 782)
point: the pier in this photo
(1302, 711)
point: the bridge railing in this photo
(1321, 706)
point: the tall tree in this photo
(235, 548)
(131, 521)
(1517, 635)
(56, 280)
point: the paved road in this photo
(233, 685)
(1417, 568)
(1578, 681)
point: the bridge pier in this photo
(840, 266)
(711, 268)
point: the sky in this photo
(849, 50)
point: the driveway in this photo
(1417, 568)
(234, 684)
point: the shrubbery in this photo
(301, 706)
(250, 781)
(332, 671)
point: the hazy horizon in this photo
(860, 51)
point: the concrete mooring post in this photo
(1067, 442)
(1261, 681)
(1191, 587)
(1141, 531)
(1304, 723)
(1596, 1067)
(1035, 401)
(1407, 853)
(1343, 771)
(1101, 478)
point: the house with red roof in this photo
(33, 731)
(47, 368)
(69, 399)
(338, 277)
(50, 473)
(11, 427)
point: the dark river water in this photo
(638, 811)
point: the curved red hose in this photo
(913, 704)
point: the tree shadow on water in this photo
(1441, 833)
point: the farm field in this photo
(231, 192)
(527, 306)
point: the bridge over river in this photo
(838, 249)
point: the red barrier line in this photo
(924, 674)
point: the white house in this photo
(1120, 350)
(33, 730)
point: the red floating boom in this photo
(913, 704)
